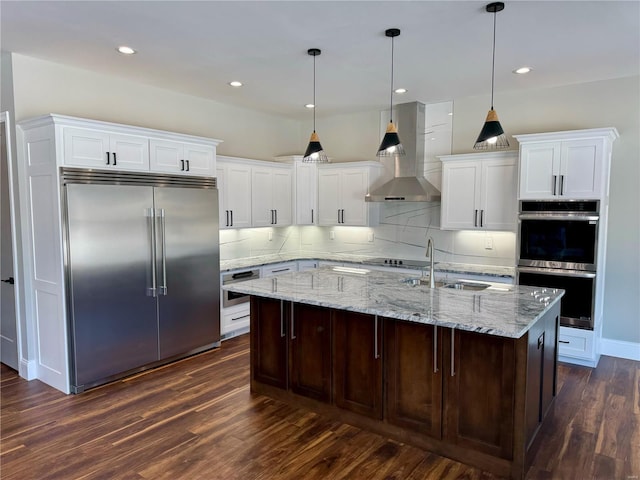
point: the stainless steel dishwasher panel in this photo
(113, 316)
(188, 266)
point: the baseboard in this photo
(579, 361)
(620, 349)
(27, 369)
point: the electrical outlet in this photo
(332, 235)
(370, 236)
(488, 242)
(270, 235)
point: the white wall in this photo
(44, 87)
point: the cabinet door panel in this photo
(460, 195)
(261, 198)
(201, 159)
(132, 152)
(306, 194)
(165, 156)
(354, 187)
(238, 195)
(499, 205)
(581, 168)
(328, 197)
(357, 369)
(281, 195)
(86, 148)
(480, 392)
(539, 170)
(414, 377)
(310, 352)
(268, 342)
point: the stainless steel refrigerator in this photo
(142, 268)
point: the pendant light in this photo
(314, 152)
(492, 135)
(391, 144)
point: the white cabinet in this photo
(341, 192)
(99, 149)
(571, 165)
(183, 158)
(576, 345)
(271, 196)
(234, 187)
(276, 269)
(479, 191)
(235, 319)
(306, 197)
(304, 265)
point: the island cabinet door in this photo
(479, 391)
(413, 360)
(357, 363)
(269, 341)
(310, 351)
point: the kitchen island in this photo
(467, 371)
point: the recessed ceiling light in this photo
(126, 50)
(400, 90)
(450, 113)
(310, 105)
(235, 83)
(522, 70)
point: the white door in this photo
(200, 159)
(460, 195)
(262, 208)
(281, 195)
(539, 170)
(328, 197)
(86, 148)
(306, 196)
(238, 195)
(8, 327)
(129, 152)
(581, 169)
(498, 206)
(355, 186)
(165, 156)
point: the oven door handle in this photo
(555, 216)
(557, 272)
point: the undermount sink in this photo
(459, 285)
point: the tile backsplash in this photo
(401, 233)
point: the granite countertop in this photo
(507, 311)
(441, 267)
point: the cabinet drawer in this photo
(235, 318)
(575, 343)
(279, 269)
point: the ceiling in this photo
(443, 52)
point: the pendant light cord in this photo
(391, 95)
(493, 60)
(314, 93)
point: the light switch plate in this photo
(332, 235)
(488, 242)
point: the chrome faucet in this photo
(429, 254)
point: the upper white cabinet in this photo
(571, 165)
(271, 196)
(479, 191)
(99, 149)
(234, 187)
(111, 146)
(341, 191)
(184, 158)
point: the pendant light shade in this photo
(391, 144)
(492, 135)
(314, 152)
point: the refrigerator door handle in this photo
(150, 214)
(163, 245)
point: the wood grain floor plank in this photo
(196, 419)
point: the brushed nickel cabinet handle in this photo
(453, 361)
(435, 349)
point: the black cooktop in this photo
(395, 262)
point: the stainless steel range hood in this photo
(408, 184)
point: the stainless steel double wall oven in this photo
(558, 246)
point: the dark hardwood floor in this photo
(196, 419)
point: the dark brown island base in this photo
(476, 398)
